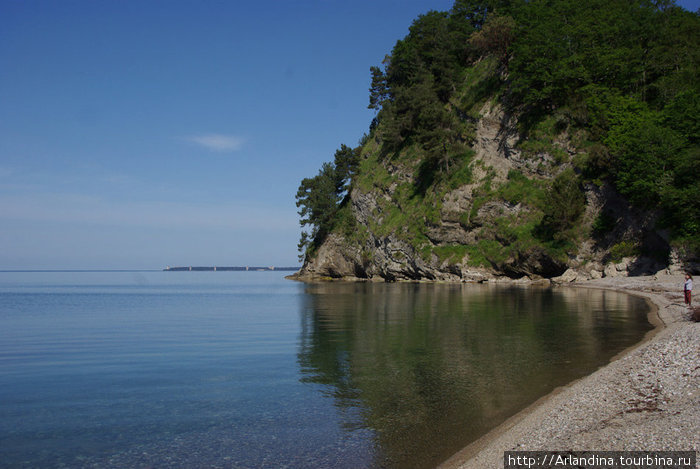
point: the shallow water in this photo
(246, 369)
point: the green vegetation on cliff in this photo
(602, 91)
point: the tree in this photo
(674, 56)
(644, 152)
(680, 197)
(379, 90)
(682, 114)
(346, 161)
(415, 88)
(565, 45)
(495, 37)
(565, 205)
(319, 197)
(472, 12)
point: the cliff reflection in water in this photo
(429, 368)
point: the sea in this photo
(152, 369)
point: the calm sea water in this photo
(248, 370)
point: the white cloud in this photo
(218, 142)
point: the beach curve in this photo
(646, 399)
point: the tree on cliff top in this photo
(319, 197)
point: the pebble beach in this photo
(646, 399)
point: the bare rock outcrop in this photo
(463, 221)
(334, 259)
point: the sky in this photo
(140, 134)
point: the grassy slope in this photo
(415, 205)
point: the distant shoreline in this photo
(229, 269)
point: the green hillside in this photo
(498, 123)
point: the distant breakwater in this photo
(228, 269)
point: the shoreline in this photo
(647, 398)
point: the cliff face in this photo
(505, 137)
(475, 230)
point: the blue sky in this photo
(137, 134)
(140, 134)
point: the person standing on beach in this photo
(688, 289)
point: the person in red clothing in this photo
(688, 289)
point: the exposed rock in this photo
(492, 210)
(334, 259)
(624, 264)
(569, 276)
(457, 202)
(450, 233)
(682, 262)
(364, 206)
(393, 259)
(533, 262)
(611, 271)
(473, 276)
(496, 137)
(392, 256)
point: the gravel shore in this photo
(647, 399)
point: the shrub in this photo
(603, 224)
(624, 249)
(565, 205)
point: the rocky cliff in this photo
(476, 230)
(518, 140)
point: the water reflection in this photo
(428, 368)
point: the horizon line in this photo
(119, 270)
(79, 270)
